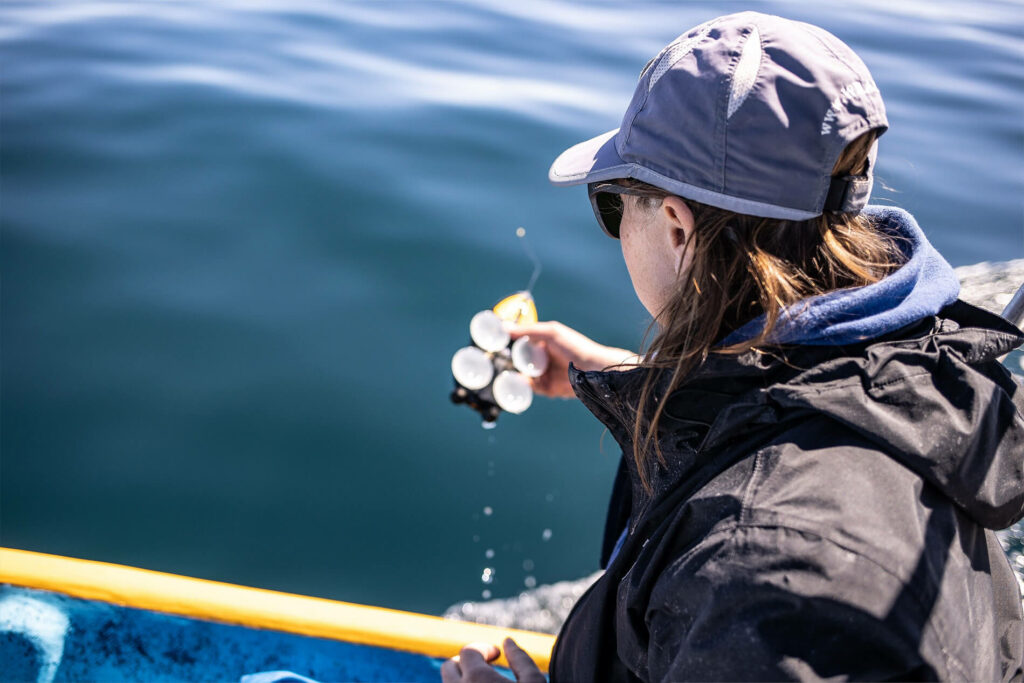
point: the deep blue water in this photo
(241, 241)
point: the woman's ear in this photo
(679, 222)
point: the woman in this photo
(820, 438)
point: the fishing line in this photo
(521, 234)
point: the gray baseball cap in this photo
(747, 112)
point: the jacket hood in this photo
(922, 286)
(932, 395)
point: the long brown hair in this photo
(744, 266)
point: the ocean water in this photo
(240, 242)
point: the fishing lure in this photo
(493, 374)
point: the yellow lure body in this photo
(518, 308)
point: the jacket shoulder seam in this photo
(847, 381)
(731, 530)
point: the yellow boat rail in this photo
(259, 608)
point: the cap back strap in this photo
(848, 193)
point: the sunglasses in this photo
(606, 200)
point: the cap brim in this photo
(590, 161)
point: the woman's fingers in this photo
(450, 672)
(559, 339)
(567, 345)
(542, 330)
(470, 666)
(555, 337)
(522, 665)
(476, 655)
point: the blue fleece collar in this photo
(921, 287)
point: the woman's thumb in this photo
(521, 664)
(516, 330)
(544, 331)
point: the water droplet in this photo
(486, 595)
(550, 497)
(476, 538)
(528, 565)
(489, 425)
(488, 511)
(520, 232)
(545, 535)
(488, 575)
(489, 553)
(530, 582)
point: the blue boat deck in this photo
(63, 619)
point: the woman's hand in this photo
(471, 665)
(565, 345)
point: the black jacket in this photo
(824, 512)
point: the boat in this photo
(67, 619)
